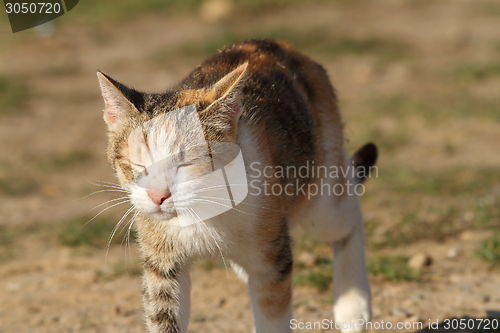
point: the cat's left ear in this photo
(119, 102)
(228, 94)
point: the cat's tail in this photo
(364, 161)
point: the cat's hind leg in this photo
(351, 290)
(340, 223)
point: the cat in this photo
(271, 108)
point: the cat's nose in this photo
(158, 196)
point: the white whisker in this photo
(221, 204)
(113, 232)
(213, 237)
(205, 189)
(109, 201)
(242, 202)
(109, 185)
(102, 211)
(100, 191)
(131, 223)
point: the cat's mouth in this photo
(162, 214)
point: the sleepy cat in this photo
(225, 164)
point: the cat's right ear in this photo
(117, 100)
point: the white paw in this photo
(352, 310)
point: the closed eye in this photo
(145, 170)
(183, 165)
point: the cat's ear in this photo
(228, 94)
(118, 101)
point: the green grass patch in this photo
(13, 95)
(445, 182)
(413, 228)
(434, 110)
(92, 10)
(317, 271)
(388, 141)
(486, 8)
(432, 222)
(437, 205)
(399, 105)
(7, 236)
(11, 235)
(466, 106)
(63, 161)
(17, 186)
(211, 264)
(477, 72)
(319, 40)
(95, 10)
(392, 268)
(487, 212)
(96, 233)
(489, 249)
(384, 48)
(320, 278)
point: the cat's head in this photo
(165, 147)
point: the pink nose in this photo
(158, 196)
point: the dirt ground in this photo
(419, 78)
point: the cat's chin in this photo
(162, 216)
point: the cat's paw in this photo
(352, 310)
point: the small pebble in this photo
(412, 319)
(466, 235)
(221, 302)
(454, 252)
(417, 296)
(400, 313)
(419, 261)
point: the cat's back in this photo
(286, 93)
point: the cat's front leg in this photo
(166, 296)
(270, 287)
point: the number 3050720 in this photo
(471, 324)
(33, 8)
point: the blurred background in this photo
(421, 79)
